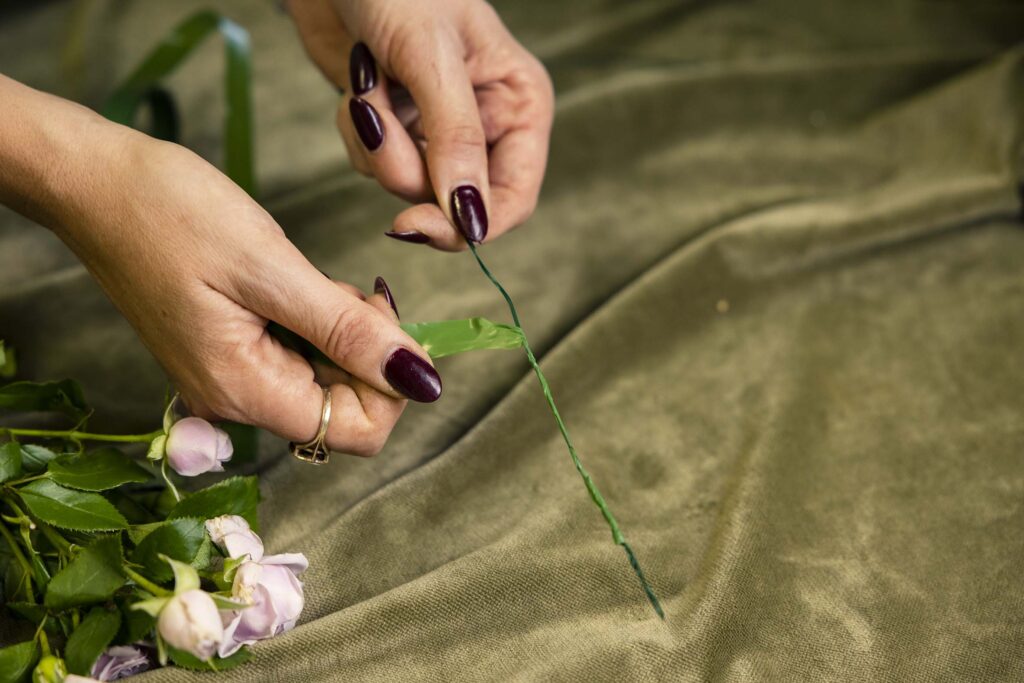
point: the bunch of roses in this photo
(116, 569)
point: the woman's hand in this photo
(440, 102)
(198, 268)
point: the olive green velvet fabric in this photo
(776, 277)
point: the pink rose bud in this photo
(232, 534)
(190, 622)
(275, 597)
(195, 446)
(121, 661)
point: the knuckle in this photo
(463, 141)
(350, 334)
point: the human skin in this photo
(199, 268)
(437, 97)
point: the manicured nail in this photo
(469, 213)
(362, 69)
(381, 287)
(412, 376)
(408, 236)
(367, 123)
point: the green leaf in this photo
(16, 662)
(133, 506)
(439, 339)
(35, 458)
(64, 396)
(135, 624)
(233, 496)
(92, 576)
(166, 57)
(137, 532)
(15, 582)
(449, 337)
(10, 461)
(179, 539)
(204, 556)
(90, 639)
(98, 470)
(28, 610)
(193, 663)
(71, 509)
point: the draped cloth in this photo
(776, 279)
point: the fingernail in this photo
(413, 236)
(469, 213)
(412, 376)
(381, 287)
(367, 123)
(362, 69)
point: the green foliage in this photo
(143, 86)
(439, 339)
(91, 577)
(64, 397)
(187, 661)
(17, 661)
(10, 461)
(35, 458)
(233, 496)
(449, 337)
(99, 470)
(71, 509)
(90, 639)
(180, 539)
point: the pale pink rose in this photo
(122, 661)
(190, 622)
(195, 446)
(232, 534)
(276, 600)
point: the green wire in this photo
(595, 494)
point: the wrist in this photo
(56, 157)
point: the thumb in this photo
(434, 72)
(359, 338)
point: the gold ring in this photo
(315, 451)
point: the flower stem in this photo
(595, 494)
(145, 583)
(19, 482)
(75, 435)
(167, 478)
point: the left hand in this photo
(440, 104)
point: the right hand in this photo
(199, 268)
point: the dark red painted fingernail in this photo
(412, 376)
(362, 69)
(469, 213)
(367, 122)
(408, 236)
(381, 287)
